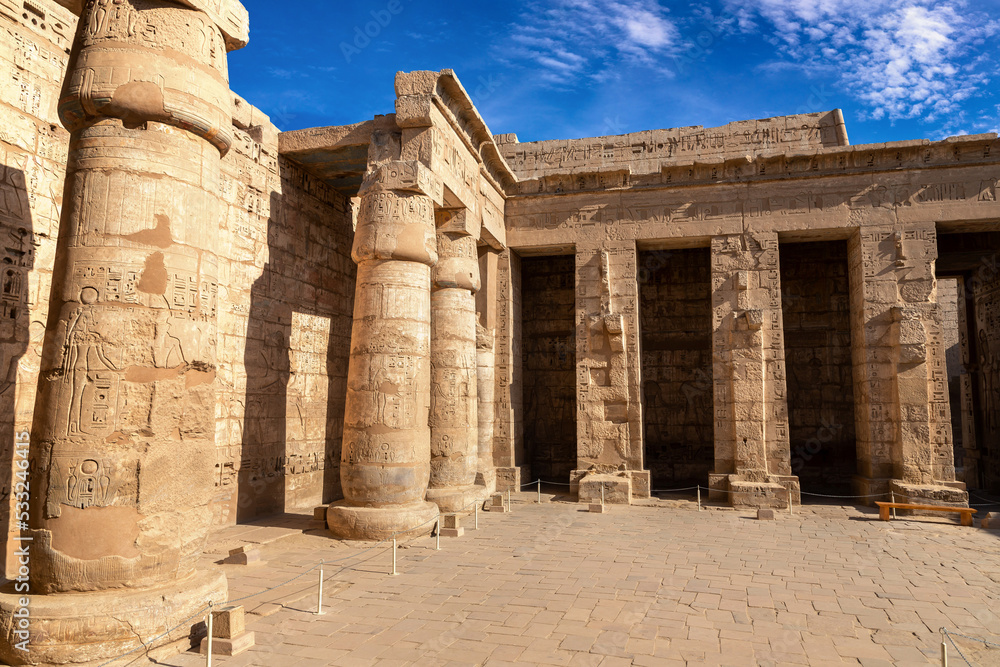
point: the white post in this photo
(602, 494)
(791, 501)
(699, 497)
(892, 499)
(477, 515)
(439, 530)
(539, 492)
(319, 595)
(508, 500)
(208, 657)
(394, 573)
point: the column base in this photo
(381, 523)
(617, 489)
(86, 629)
(456, 499)
(775, 493)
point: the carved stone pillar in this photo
(124, 425)
(454, 384)
(901, 385)
(385, 460)
(508, 431)
(752, 455)
(486, 413)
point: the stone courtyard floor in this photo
(661, 585)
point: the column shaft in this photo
(454, 386)
(386, 449)
(124, 424)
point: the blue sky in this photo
(560, 69)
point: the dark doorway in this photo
(815, 292)
(675, 305)
(548, 331)
(974, 260)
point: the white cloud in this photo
(573, 39)
(903, 58)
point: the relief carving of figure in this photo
(89, 366)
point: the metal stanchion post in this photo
(944, 649)
(439, 531)
(602, 495)
(319, 595)
(508, 500)
(394, 573)
(791, 503)
(208, 657)
(539, 492)
(699, 497)
(892, 499)
(477, 515)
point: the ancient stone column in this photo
(124, 424)
(385, 460)
(486, 412)
(454, 383)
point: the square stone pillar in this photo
(486, 306)
(901, 384)
(609, 410)
(508, 437)
(752, 453)
(966, 390)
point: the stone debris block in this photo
(450, 526)
(229, 647)
(991, 521)
(765, 514)
(499, 503)
(229, 622)
(319, 513)
(598, 508)
(617, 489)
(245, 555)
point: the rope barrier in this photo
(949, 635)
(319, 565)
(823, 495)
(974, 639)
(689, 488)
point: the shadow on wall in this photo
(17, 261)
(295, 358)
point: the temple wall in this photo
(285, 293)
(34, 53)
(285, 326)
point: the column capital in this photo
(230, 16)
(400, 176)
(141, 61)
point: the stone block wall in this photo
(285, 327)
